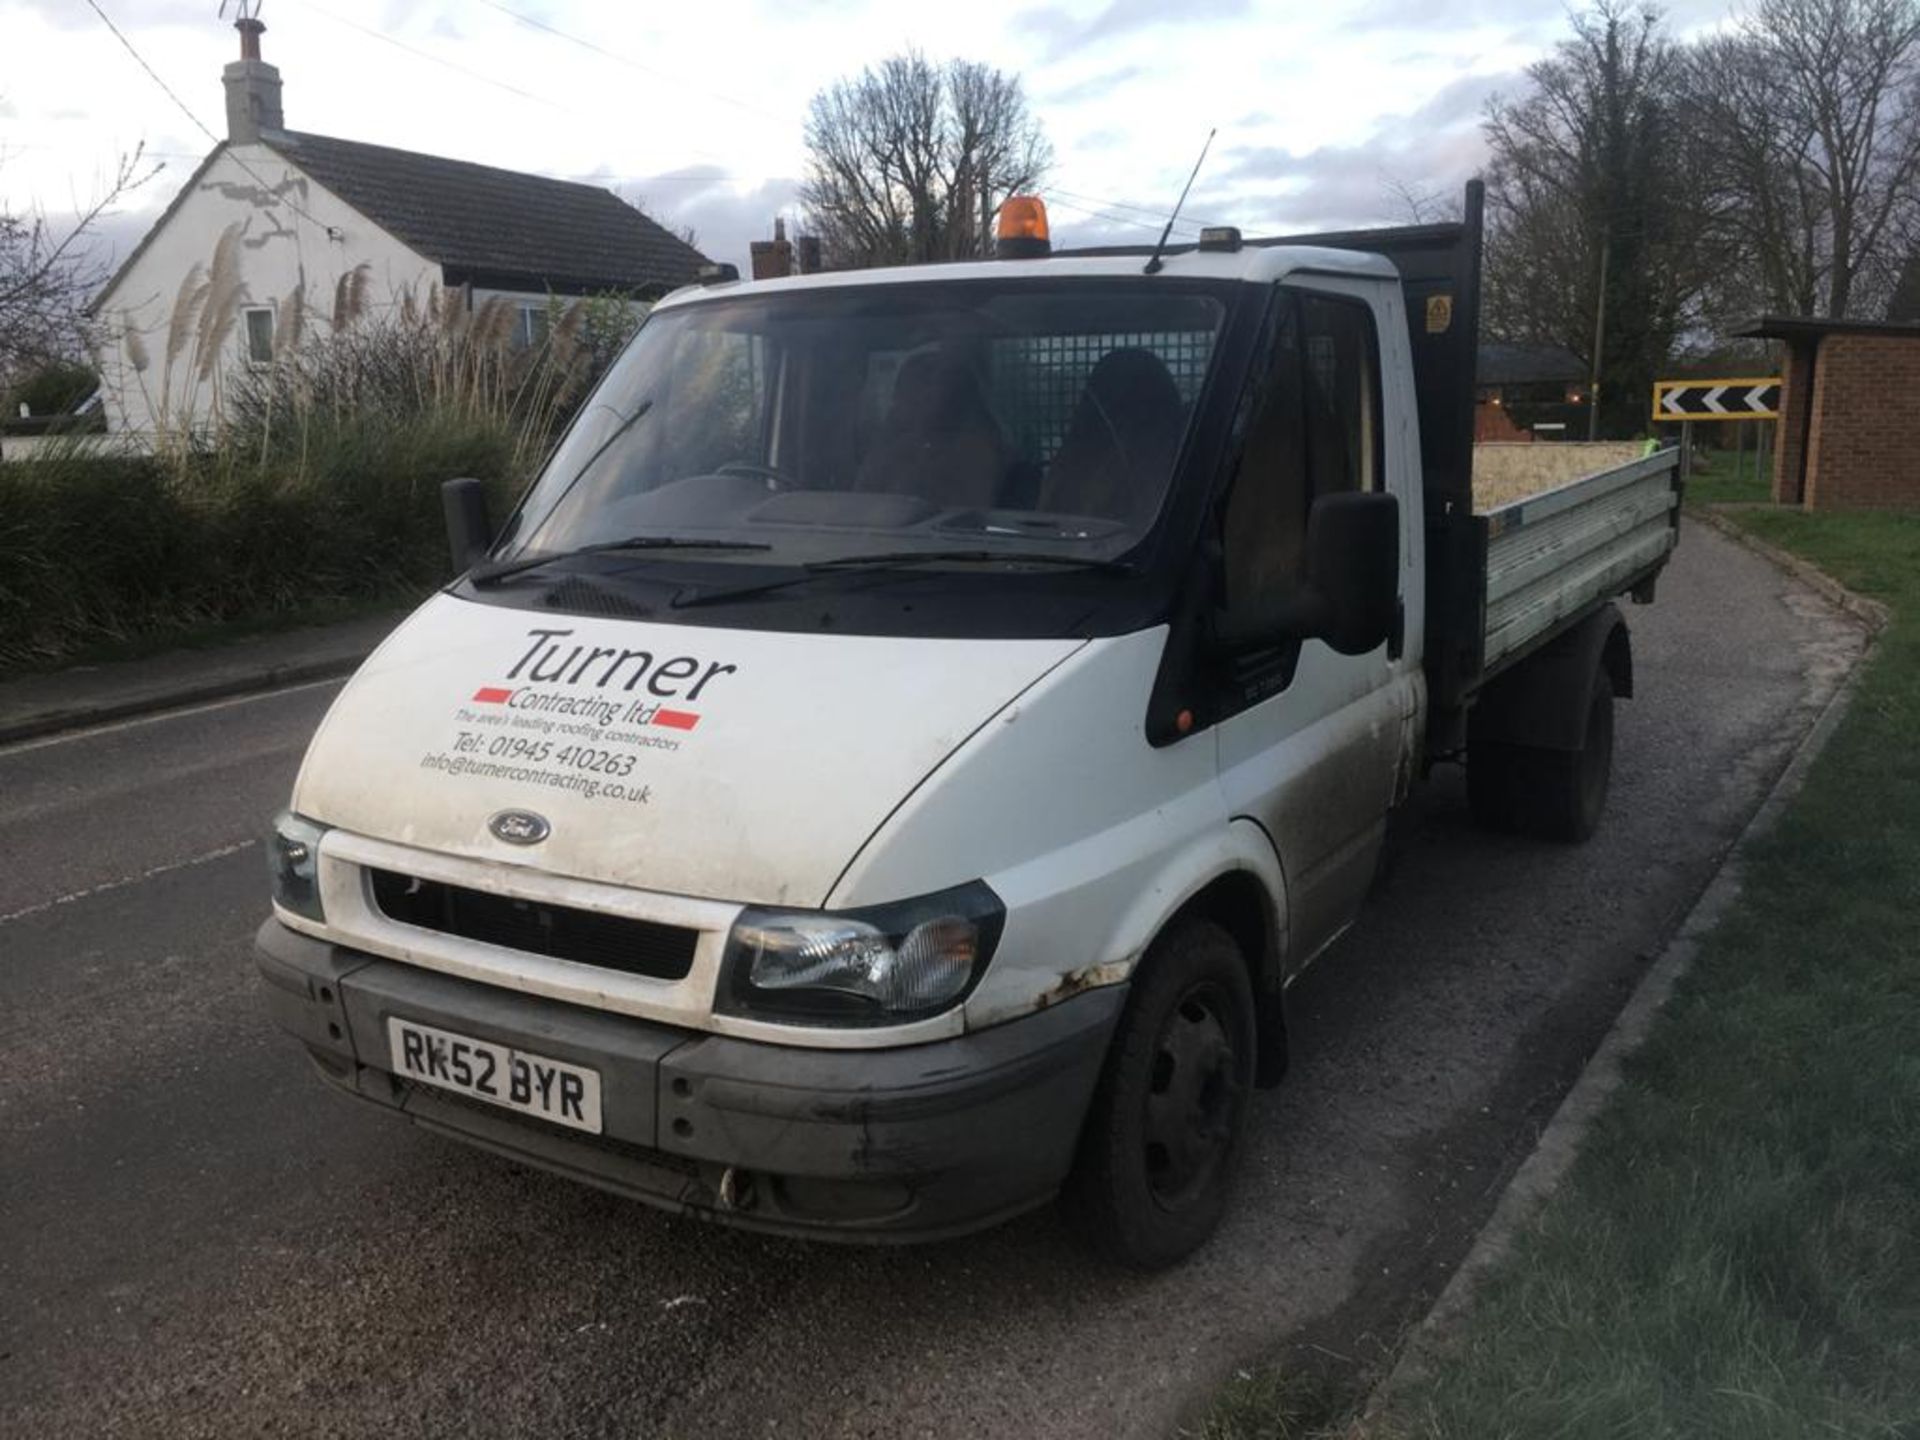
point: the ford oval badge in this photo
(519, 827)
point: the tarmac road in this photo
(197, 1238)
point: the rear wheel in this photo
(1162, 1139)
(1550, 794)
(1570, 790)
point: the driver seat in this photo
(1120, 442)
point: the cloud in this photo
(724, 217)
(66, 15)
(1062, 32)
(1433, 148)
(1530, 21)
(1095, 86)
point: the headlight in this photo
(884, 965)
(293, 859)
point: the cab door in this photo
(1316, 746)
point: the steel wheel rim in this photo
(1193, 1098)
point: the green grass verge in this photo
(1736, 1252)
(1726, 478)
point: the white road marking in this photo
(91, 731)
(127, 880)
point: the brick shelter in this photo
(1848, 437)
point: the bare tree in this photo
(1845, 81)
(47, 276)
(685, 234)
(1594, 230)
(1411, 203)
(907, 162)
(1766, 201)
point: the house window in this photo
(259, 323)
(531, 329)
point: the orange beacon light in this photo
(1022, 231)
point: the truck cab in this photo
(887, 769)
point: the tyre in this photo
(1548, 794)
(1163, 1136)
(1568, 788)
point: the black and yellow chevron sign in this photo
(1747, 399)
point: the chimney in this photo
(253, 87)
(772, 258)
(807, 254)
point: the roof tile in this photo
(499, 228)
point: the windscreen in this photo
(1026, 415)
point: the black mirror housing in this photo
(1351, 595)
(1353, 563)
(469, 531)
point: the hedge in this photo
(98, 549)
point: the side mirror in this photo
(1351, 595)
(469, 531)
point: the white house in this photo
(300, 212)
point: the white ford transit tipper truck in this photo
(887, 770)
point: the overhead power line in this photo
(1052, 197)
(1159, 215)
(388, 38)
(534, 23)
(441, 60)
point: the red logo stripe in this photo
(491, 695)
(676, 719)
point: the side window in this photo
(1312, 429)
(1342, 395)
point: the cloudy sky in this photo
(1325, 112)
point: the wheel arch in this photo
(1239, 904)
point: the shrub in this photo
(320, 484)
(97, 548)
(55, 388)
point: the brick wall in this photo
(1790, 434)
(1491, 422)
(1863, 448)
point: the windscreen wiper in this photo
(900, 560)
(487, 574)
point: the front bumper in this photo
(912, 1143)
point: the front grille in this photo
(613, 942)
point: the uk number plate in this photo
(532, 1084)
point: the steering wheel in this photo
(776, 478)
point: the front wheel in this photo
(1162, 1139)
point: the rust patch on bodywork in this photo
(1091, 977)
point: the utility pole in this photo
(1599, 337)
